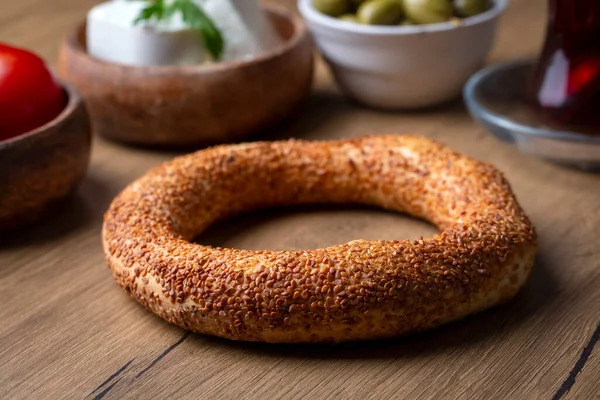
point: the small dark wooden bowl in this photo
(41, 167)
(193, 105)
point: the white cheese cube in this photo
(244, 25)
(257, 23)
(112, 35)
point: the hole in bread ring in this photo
(353, 291)
(312, 226)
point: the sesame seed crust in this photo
(353, 291)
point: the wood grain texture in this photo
(69, 332)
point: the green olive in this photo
(333, 8)
(380, 12)
(406, 22)
(349, 18)
(469, 8)
(428, 11)
(356, 3)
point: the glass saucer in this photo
(495, 97)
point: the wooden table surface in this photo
(68, 331)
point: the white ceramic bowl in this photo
(403, 66)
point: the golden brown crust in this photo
(358, 290)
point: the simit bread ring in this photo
(358, 290)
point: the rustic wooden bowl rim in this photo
(73, 102)
(300, 31)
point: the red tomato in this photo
(29, 96)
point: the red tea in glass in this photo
(566, 85)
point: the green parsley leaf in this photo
(153, 10)
(193, 16)
(196, 18)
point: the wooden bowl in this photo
(41, 167)
(193, 105)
